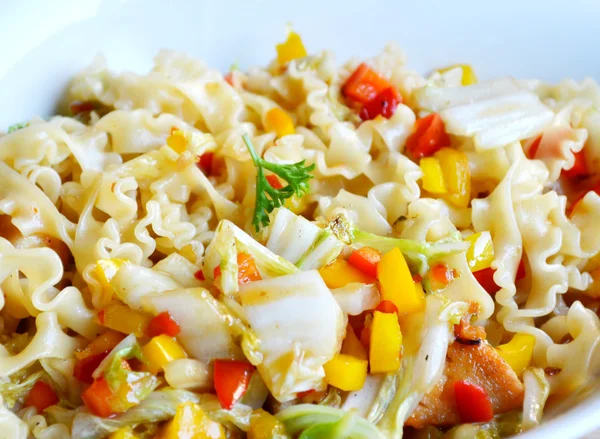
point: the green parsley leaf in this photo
(296, 175)
(17, 126)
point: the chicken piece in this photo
(479, 364)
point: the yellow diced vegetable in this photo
(433, 178)
(160, 351)
(177, 141)
(123, 319)
(279, 122)
(352, 345)
(339, 273)
(346, 372)
(397, 284)
(123, 433)
(518, 352)
(386, 343)
(104, 271)
(457, 175)
(468, 74)
(191, 422)
(296, 204)
(263, 425)
(480, 254)
(291, 49)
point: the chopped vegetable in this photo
(364, 85)
(124, 319)
(366, 260)
(386, 343)
(104, 271)
(428, 137)
(537, 389)
(279, 122)
(231, 380)
(41, 396)
(247, 271)
(190, 421)
(97, 398)
(518, 352)
(384, 104)
(346, 372)
(442, 274)
(387, 307)
(352, 345)
(472, 402)
(480, 254)
(268, 198)
(457, 175)
(433, 178)
(77, 107)
(160, 351)
(263, 425)
(485, 278)
(177, 140)
(205, 163)
(468, 75)
(340, 273)
(163, 324)
(199, 275)
(397, 284)
(579, 169)
(291, 49)
(123, 433)
(16, 127)
(104, 343)
(85, 367)
(274, 181)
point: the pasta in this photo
(311, 243)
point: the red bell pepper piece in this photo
(85, 367)
(247, 271)
(97, 398)
(364, 84)
(366, 260)
(206, 163)
(472, 402)
(305, 393)
(41, 396)
(485, 278)
(442, 274)
(163, 324)
(579, 169)
(385, 104)
(274, 181)
(387, 307)
(231, 380)
(199, 275)
(365, 336)
(428, 137)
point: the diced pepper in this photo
(160, 351)
(480, 254)
(366, 260)
(291, 49)
(97, 398)
(78, 107)
(433, 178)
(163, 324)
(177, 141)
(263, 425)
(485, 278)
(104, 343)
(247, 271)
(274, 181)
(472, 402)
(386, 343)
(429, 136)
(518, 352)
(364, 84)
(457, 175)
(384, 104)
(124, 319)
(191, 422)
(104, 271)
(296, 204)
(85, 367)
(397, 284)
(579, 169)
(123, 433)
(346, 372)
(387, 307)
(279, 122)
(231, 380)
(468, 75)
(340, 273)
(352, 345)
(199, 275)
(205, 163)
(442, 274)
(41, 396)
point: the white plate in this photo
(43, 43)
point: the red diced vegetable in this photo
(428, 137)
(206, 162)
(579, 169)
(41, 396)
(97, 398)
(472, 402)
(442, 273)
(364, 84)
(247, 271)
(305, 393)
(387, 307)
(163, 324)
(81, 107)
(85, 367)
(274, 181)
(366, 260)
(385, 104)
(485, 278)
(199, 275)
(231, 380)
(365, 336)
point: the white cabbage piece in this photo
(133, 282)
(537, 389)
(356, 297)
(300, 327)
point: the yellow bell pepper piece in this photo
(468, 74)
(160, 351)
(480, 254)
(191, 422)
(123, 319)
(177, 141)
(296, 204)
(263, 425)
(104, 271)
(396, 283)
(352, 345)
(339, 273)
(457, 175)
(518, 352)
(433, 178)
(346, 372)
(279, 122)
(386, 343)
(292, 48)
(123, 433)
